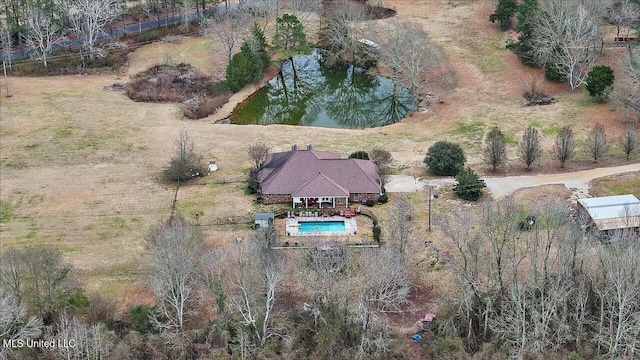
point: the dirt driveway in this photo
(578, 180)
(409, 184)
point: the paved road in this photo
(579, 180)
(135, 28)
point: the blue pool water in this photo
(321, 226)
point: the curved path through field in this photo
(502, 186)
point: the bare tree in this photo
(342, 30)
(629, 141)
(230, 27)
(175, 247)
(258, 153)
(624, 14)
(14, 324)
(529, 149)
(254, 275)
(43, 281)
(478, 291)
(627, 92)
(617, 287)
(11, 269)
(327, 273)
(495, 150)
(382, 158)
(413, 60)
(304, 10)
(265, 9)
(89, 20)
(565, 145)
(6, 42)
(43, 33)
(565, 37)
(597, 145)
(384, 288)
(90, 341)
(186, 162)
(400, 224)
(185, 9)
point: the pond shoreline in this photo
(304, 92)
(243, 94)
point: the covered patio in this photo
(320, 192)
(320, 202)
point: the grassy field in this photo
(617, 185)
(79, 166)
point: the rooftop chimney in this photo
(294, 148)
(309, 147)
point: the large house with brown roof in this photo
(312, 178)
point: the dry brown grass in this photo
(80, 166)
(540, 193)
(616, 185)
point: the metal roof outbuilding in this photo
(613, 212)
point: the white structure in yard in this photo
(610, 213)
(263, 220)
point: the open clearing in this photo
(79, 166)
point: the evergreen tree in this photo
(599, 79)
(445, 158)
(504, 12)
(259, 46)
(469, 186)
(523, 47)
(290, 36)
(239, 72)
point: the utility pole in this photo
(430, 207)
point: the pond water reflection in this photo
(306, 93)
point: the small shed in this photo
(610, 213)
(212, 166)
(263, 220)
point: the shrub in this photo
(172, 83)
(448, 348)
(383, 199)
(599, 81)
(505, 10)
(551, 74)
(140, 318)
(469, 186)
(445, 158)
(252, 181)
(376, 233)
(204, 108)
(186, 162)
(359, 155)
(149, 36)
(369, 203)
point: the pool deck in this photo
(350, 227)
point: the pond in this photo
(306, 93)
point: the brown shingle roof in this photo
(320, 185)
(297, 171)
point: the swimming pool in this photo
(321, 226)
